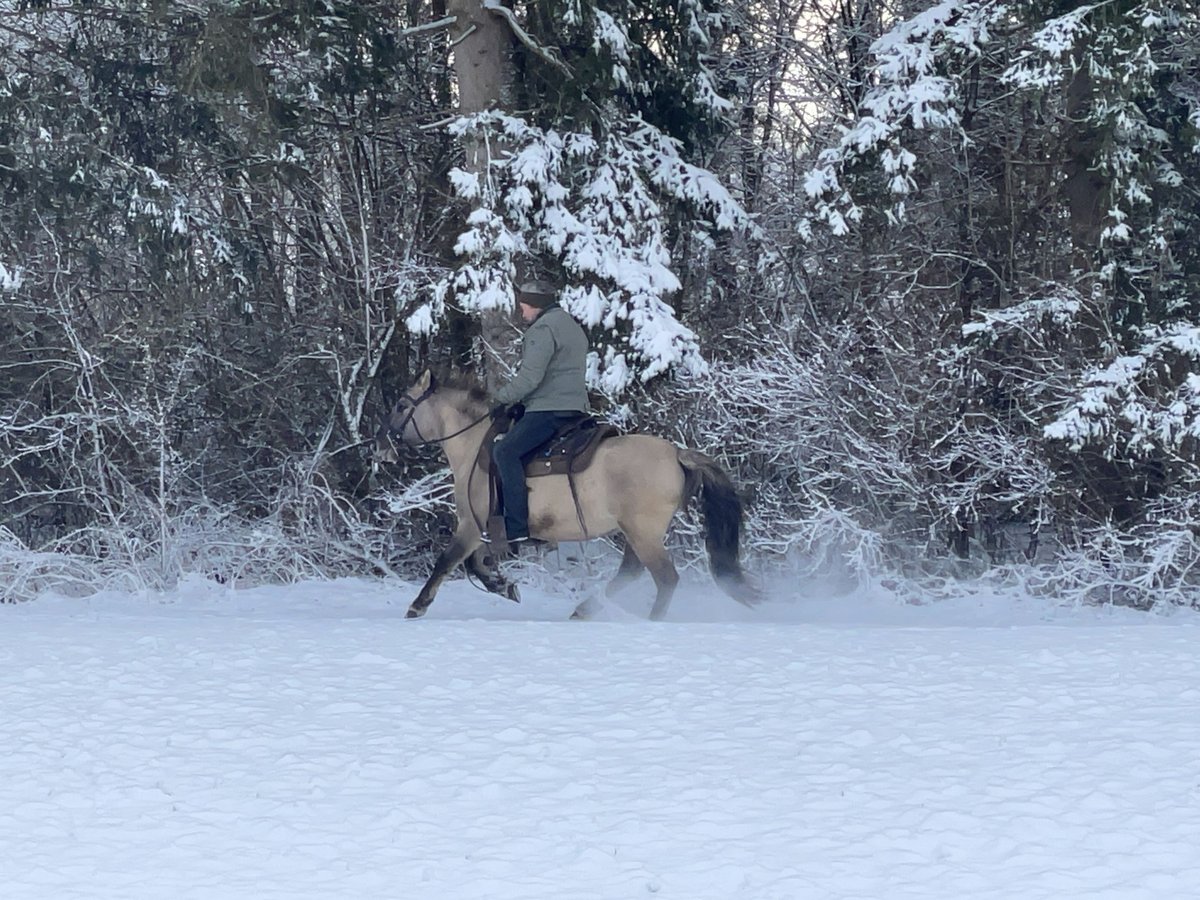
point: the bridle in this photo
(410, 410)
(409, 405)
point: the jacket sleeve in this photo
(536, 352)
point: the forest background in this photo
(925, 277)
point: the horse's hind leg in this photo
(650, 550)
(631, 568)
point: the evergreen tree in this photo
(591, 179)
(1043, 154)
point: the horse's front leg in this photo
(461, 546)
(482, 566)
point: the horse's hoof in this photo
(584, 611)
(414, 613)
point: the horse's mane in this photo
(467, 382)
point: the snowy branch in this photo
(523, 36)
(428, 27)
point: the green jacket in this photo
(552, 373)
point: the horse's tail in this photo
(722, 522)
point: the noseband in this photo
(410, 411)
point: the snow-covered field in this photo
(308, 742)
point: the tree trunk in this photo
(483, 44)
(483, 65)
(1084, 186)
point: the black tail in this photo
(722, 522)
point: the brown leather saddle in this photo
(568, 452)
(571, 449)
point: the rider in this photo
(550, 383)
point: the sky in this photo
(306, 741)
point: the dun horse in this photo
(635, 484)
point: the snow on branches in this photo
(914, 89)
(597, 208)
(10, 279)
(1120, 56)
(1141, 403)
(921, 66)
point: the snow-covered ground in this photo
(308, 742)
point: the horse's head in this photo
(402, 424)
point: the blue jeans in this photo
(510, 453)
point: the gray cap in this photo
(537, 293)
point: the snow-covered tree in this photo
(1031, 165)
(589, 182)
(207, 212)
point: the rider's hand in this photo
(498, 411)
(516, 411)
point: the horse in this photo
(634, 484)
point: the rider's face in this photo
(529, 313)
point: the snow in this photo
(10, 279)
(307, 741)
(1111, 397)
(1059, 36)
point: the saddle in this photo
(571, 449)
(568, 452)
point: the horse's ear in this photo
(425, 382)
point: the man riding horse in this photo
(631, 483)
(549, 384)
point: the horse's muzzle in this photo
(385, 447)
